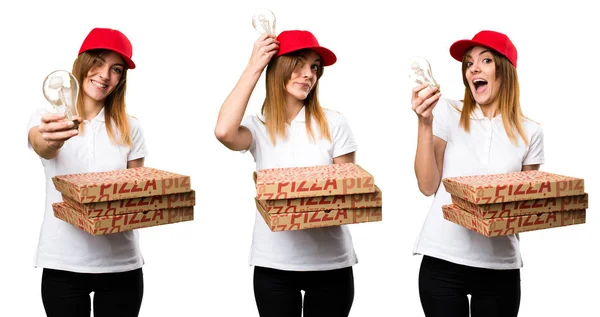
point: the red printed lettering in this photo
(158, 214)
(330, 183)
(326, 216)
(290, 209)
(103, 187)
(151, 184)
(545, 186)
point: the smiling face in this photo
(480, 74)
(104, 76)
(304, 76)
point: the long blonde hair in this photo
(279, 72)
(508, 98)
(114, 104)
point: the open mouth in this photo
(479, 84)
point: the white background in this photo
(189, 58)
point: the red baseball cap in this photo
(490, 39)
(109, 39)
(295, 40)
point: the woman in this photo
(293, 130)
(484, 134)
(76, 263)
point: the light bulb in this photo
(61, 90)
(263, 21)
(420, 71)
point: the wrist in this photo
(55, 146)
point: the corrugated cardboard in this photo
(324, 180)
(526, 185)
(511, 225)
(523, 207)
(317, 219)
(120, 184)
(120, 223)
(305, 204)
(125, 206)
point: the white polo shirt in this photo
(310, 249)
(65, 247)
(485, 150)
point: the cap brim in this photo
(327, 57)
(128, 61)
(458, 49)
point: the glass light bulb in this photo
(61, 90)
(263, 21)
(420, 71)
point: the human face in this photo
(104, 76)
(481, 76)
(304, 76)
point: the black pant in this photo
(326, 293)
(67, 294)
(443, 288)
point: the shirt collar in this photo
(477, 114)
(100, 116)
(301, 116)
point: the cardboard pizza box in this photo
(525, 185)
(317, 219)
(130, 205)
(119, 223)
(304, 204)
(311, 181)
(504, 226)
(120, 184)
(523, 207)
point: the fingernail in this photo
(71, 123)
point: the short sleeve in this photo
(342, 137)
(535, 153)
(34, 120)
(440, 119)
(138, 148)
(249, 122)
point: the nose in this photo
(307, 71)
(475, 68)
(104, 72)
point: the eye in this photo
(487, 60)
(315, 67)
(117, 70)
(469, 64)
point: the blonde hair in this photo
(114, 104)
(279, 72)
(508, 98)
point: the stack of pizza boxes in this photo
(509, 203)
(121, 200)
(316, 196)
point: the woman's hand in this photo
(265, 47)
(424, 99)
(55, 130)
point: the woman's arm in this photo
(228, 130)
(346, 158)
(429, 156)
(136, 163)
(47, 138)
(533, 167)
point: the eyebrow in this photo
(104, 61)
(316, 60)
(481, 53)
